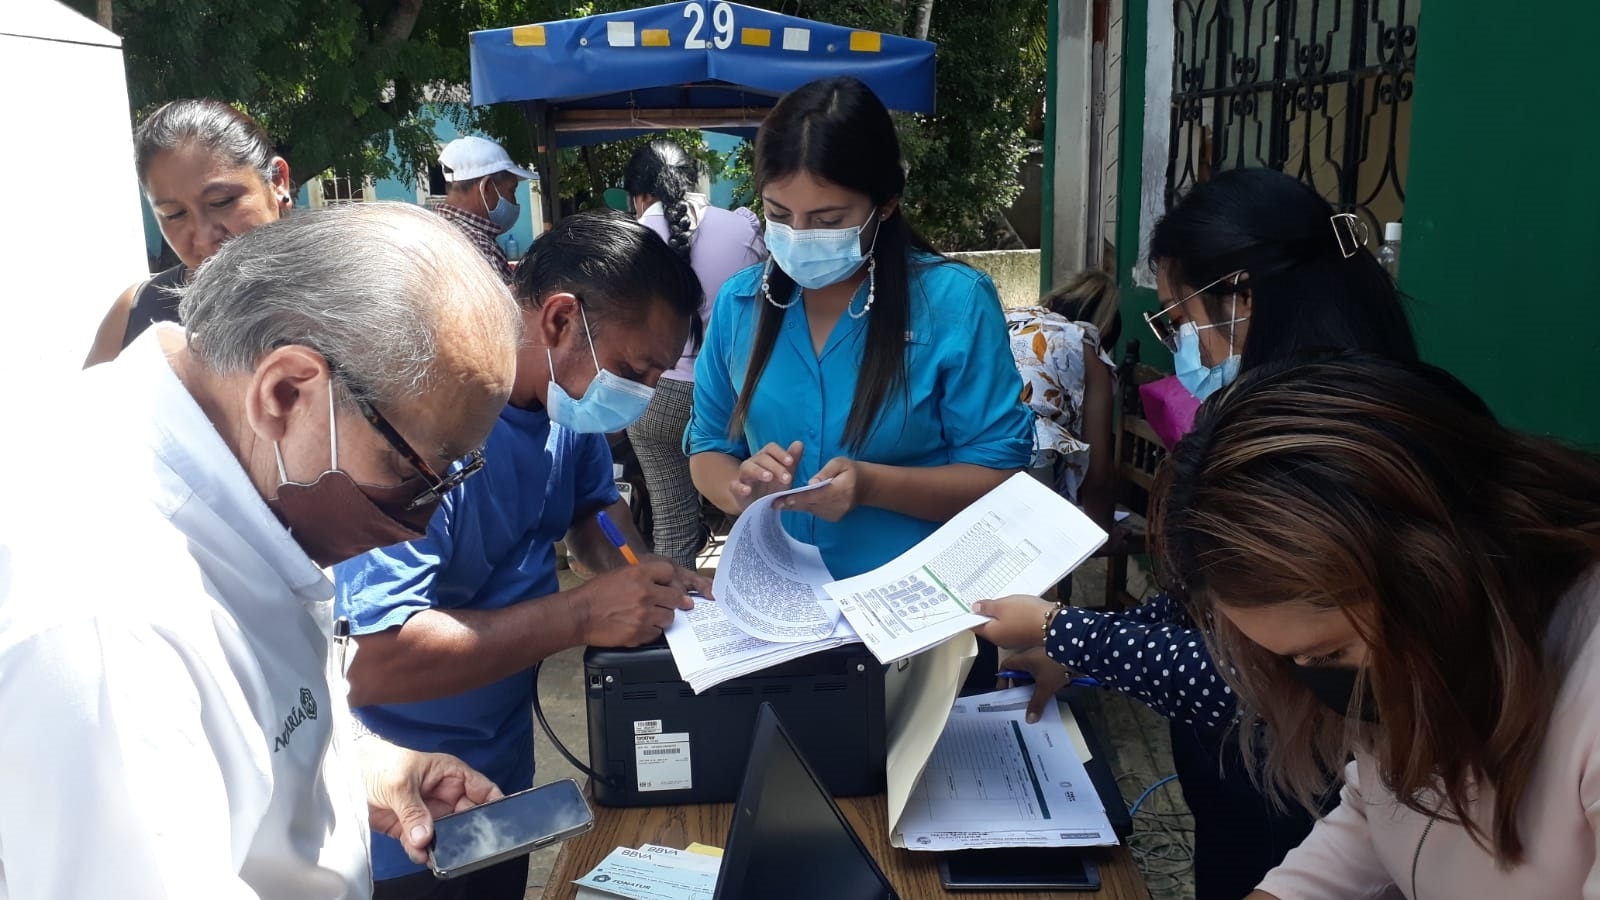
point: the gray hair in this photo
(367, 285)
(214, 125)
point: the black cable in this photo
(1416, 857)
(550, 733)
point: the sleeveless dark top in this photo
(154, 302)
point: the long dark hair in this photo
(838, 130)
(1305, 295)
(1386, 490)
(661, 169)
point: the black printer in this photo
(654, 742)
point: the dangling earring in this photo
(872, 287)
(766, 289)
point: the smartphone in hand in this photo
(509, 827)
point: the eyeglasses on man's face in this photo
(1160, 321)
(437, 486)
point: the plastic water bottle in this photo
(513, 249)
(1389, 253)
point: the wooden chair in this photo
(1138, 454)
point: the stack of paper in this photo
(653, 873)
(770, 608)
(709, 649)
(993, 780)
(776, 600)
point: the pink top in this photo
(1370, 845)
(721, 243)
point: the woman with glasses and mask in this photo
(210, 174)
(1385, 572)
(856, 353)
(1252, 266)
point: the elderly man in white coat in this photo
(172, 721)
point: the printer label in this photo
(647, 726)
(661, 761)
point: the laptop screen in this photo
(788, 838)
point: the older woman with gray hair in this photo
(176, 724)
(210, 174)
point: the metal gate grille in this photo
(1319, 89)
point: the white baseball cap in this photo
(466, 158)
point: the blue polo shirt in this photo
(490, 545)
(962, 403)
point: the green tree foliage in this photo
(338, 83)
(586, 172)
(334, 83)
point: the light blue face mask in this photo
(609, 404)
(504, 215)
(1196, 377)
(818, 257)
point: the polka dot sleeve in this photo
(1149, 653)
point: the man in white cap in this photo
(481, 195)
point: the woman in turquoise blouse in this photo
(855, 353)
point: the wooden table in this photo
(915, 875)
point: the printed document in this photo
(1019, 538)
(993, 780)
(710, 649)
(918, 694)
(768, 583)
(652, 873)
(771, 604)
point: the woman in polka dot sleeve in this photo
(1251, 266)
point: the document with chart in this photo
(768, 583)
(993, 780)
(1019, 538)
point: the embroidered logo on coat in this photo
(296, 717)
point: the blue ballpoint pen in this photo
(1019, 675)
(614, 535)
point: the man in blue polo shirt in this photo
(449, 626)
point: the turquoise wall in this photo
(721, 189)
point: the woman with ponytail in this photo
(660, 181)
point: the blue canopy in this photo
(697, 63)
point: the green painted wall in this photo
(1502, 239)
(1135, 300)
(1502, 220)
(1047, 211)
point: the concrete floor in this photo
(1135, 737)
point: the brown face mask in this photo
(334, 518)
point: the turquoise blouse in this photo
(962, 404)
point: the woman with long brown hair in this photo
(1382, 571)
(1251, 267)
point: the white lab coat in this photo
(167, 725)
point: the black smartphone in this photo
(509, 827)
(1019, 869)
